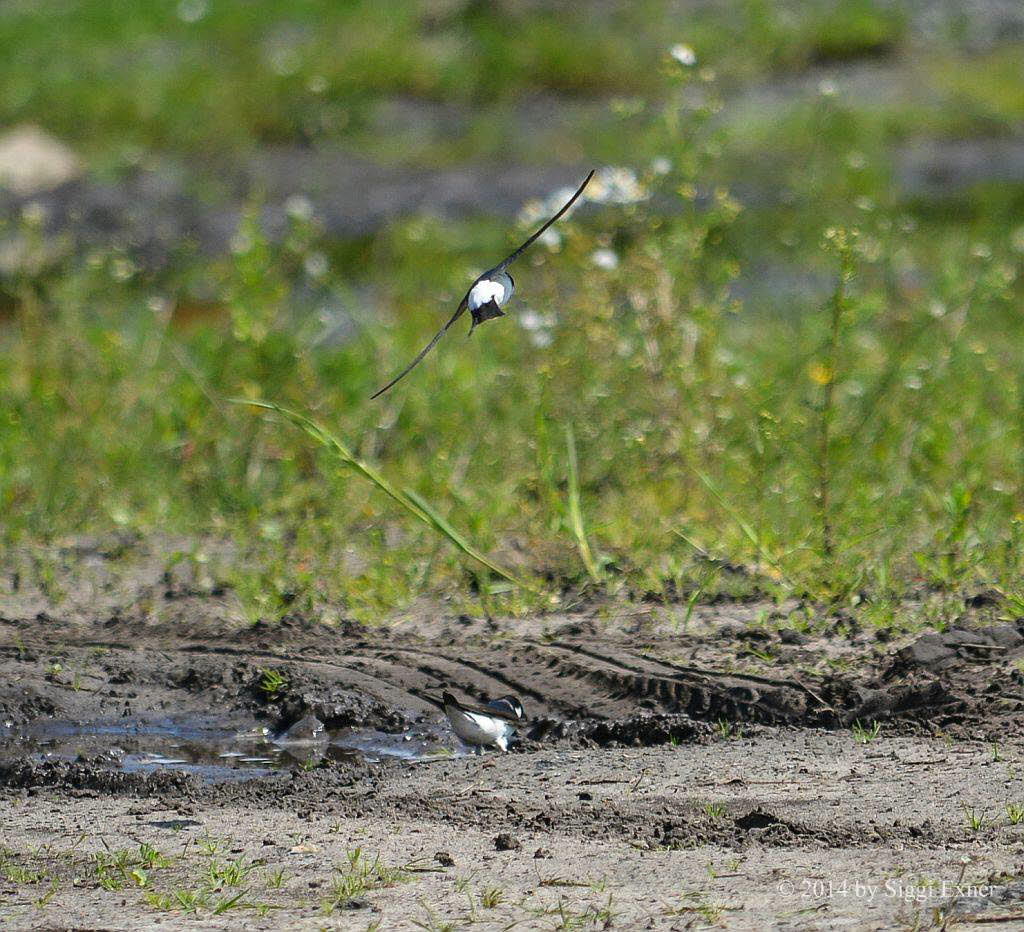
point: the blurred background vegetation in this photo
(777, 352)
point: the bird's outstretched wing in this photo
(572, 200)
(459, 311)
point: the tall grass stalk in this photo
(826, 375)
(576, 512)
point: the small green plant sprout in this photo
(491, 897)
(1015, 813)
(272, 683)
(976, 819)
(17, 874)
(187, 901)
(228, 874)
(359, 876)
(118, 869)
(42, 901)
(710, 912)
(150, 857)
(864, 733)
(996, 756)
(715, 811)
(231, 901)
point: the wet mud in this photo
(732, 738)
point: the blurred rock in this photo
(305, 731)
(935, 168)
(33, 161)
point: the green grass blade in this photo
(745, 527)
(442, 526)
(324, 437)
(576, 512)
(409, 500)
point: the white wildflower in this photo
(299, 207)
(684, 55)
(530, 320)
(191, 11)
(615, 185)
(315, 265)
(121, 269)
(551, 238)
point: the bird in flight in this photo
(489, 293)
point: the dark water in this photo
(211, 750)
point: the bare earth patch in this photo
(740, 773)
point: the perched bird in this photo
(484, 726)
(489, 293)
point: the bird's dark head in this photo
(508, 704)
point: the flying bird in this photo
(484, 726)
(489, 293)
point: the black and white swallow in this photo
(489, 293)
(481, 726)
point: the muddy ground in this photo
(739, 773)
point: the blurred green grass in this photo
(203, 77)
(111, 411)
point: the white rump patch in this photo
(484, 291)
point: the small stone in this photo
(506, 841)
(444, 859)
(541, 853)
(306, 730)
(789, 636)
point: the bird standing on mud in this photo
(489, 293)
(489, 725)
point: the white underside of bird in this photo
(479, 730)
(487, 290)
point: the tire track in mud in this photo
(375, 677)
(563, 680)
(557, 680)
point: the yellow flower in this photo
(820, 373)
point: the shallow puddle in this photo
(210, 750)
